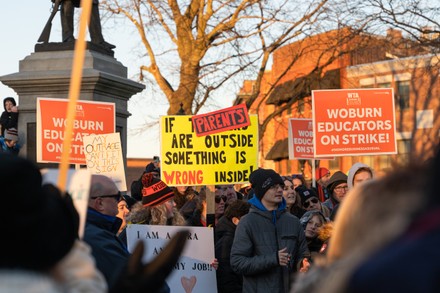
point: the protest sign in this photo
(91, 118)
(351, 122)
(78, 186)
(221, 120)
(193, 271)
(104, 157)
(223, 158)
(301, 139)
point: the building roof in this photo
(302, 86)
(279, 150)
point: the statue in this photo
(67, 13)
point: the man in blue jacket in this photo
(269, 244)
(109, 252)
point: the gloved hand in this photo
(150, 277)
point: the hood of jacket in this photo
(353, 171)
(258, 206)
(308, 215)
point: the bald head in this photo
(102, 185)
(104, 195)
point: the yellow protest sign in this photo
(222, 158)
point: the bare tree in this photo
(193, 48)
(210, 42)
(418, 19)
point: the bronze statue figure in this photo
(67, 13)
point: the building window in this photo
(384, 85)
(403, 151)
(403, 94)
(335, 164)
(367, 160)
(384, 162)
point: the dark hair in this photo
(11, 99)
(363, 169)
(238, 209)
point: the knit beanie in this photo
(305, 193)
(321, 172)
(263, 179)
(11, 134)
(336, 179)
(154, 191)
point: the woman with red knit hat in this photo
(157, 206)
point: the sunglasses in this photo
(308, 203)
(116, 196)
(219, 198)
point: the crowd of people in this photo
(353, 232)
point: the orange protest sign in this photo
(90, 118)
(354, 122)
(300, 138)
(218, 121)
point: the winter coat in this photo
(227, 280)
(4, 148)
(110, 253)
(330, 204)
(258, 238)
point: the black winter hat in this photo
(263, 179)
(336, 179)
(305, 193)
(38, 217)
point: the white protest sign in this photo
(103, 154)
(193, 272)
(78, 186)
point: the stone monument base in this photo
(66, 46)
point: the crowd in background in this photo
(352, 232)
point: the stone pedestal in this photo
(47, 74)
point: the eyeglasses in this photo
(308, 203)
(341, 188)
(219, 198)
(115, 196)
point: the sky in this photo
(21, 23)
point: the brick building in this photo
(346, 59)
